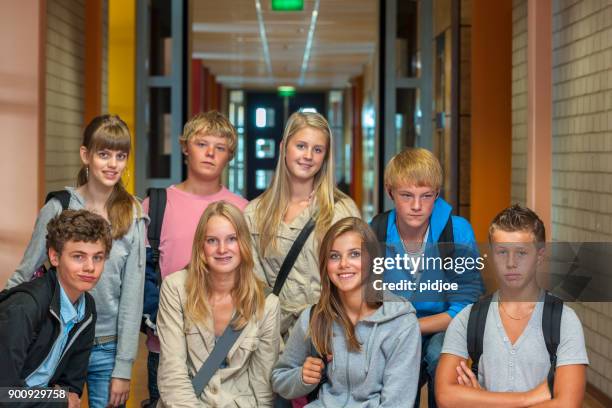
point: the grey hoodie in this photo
(384, 373)
(119, 292)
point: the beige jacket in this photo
(303, 285)
(245, 382)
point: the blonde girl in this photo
(302, 188)
(197, 304)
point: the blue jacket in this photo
(469, 282)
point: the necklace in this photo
(421, 245)
(503, 309)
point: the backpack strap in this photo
(379, 225)
(292, 255)
(447, 238)
(475, 330)
(314, 394)
(551, 328)
(216, 357)
(157, 207)
(63, 196)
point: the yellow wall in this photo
(491, 111)
(122, 71)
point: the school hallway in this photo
(513, 97)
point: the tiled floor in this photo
(139, 384)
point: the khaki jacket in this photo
(303, 285)
(245, 382)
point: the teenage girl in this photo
(303, 188)
(368, 349)
(217, 289)
(119, 292)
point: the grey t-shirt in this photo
(518, 367)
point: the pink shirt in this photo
(181, 218)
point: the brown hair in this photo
(330, 308)
(416, 166)
(212, 123)
(248, 293)
(78, 226)
(519, 218)
(110, 132)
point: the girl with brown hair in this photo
(118, 295)
(371, 348)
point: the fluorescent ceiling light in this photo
(311, 30)
(262, 35)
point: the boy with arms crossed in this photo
(514, 369)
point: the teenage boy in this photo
(208, 143)
(421, 225)
(517, 342)
(47, 325)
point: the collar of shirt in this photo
(394, 241)
(68, 312)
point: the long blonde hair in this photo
(329, 308)
(110, 132)
(274, 201)
(248, 293)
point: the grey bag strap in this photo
(214, 360)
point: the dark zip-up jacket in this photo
(30, 324)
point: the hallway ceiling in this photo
(230, 37)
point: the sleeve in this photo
(75, 374)
(287, 374)
(175, 387)
(467, 270)
(130, 304)
(455, 339)
(19, 318)
(36, 253)
(266, 355)
(400, 381)
(571, 347)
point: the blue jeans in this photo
(101, 364)
(431, 346)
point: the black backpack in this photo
(379, 225)
(314, 394)
(63, 196)
(551, 328)
(157, 208)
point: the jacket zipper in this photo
(348, 380)
(74, 337)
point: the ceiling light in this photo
(311, 30)
(264, 38)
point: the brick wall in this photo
(519, 101)
(581, 144)
(64, 94)
(582, 151)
